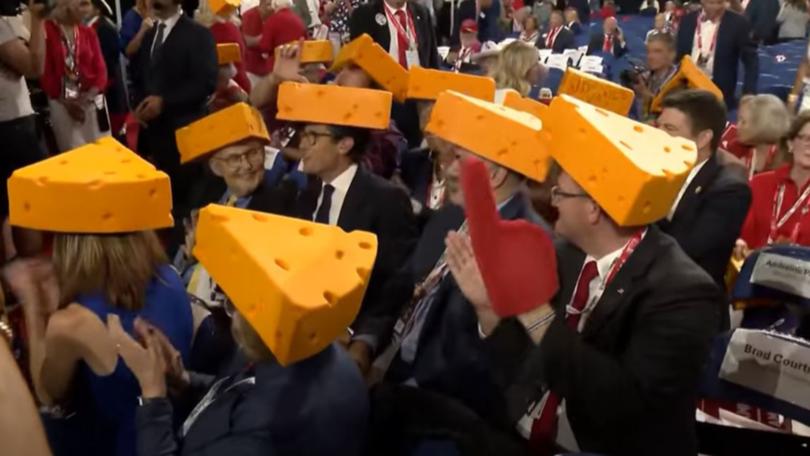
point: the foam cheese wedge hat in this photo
(510, 138)
(299, 288)
(427, 84)
(376, 62)
(513, 99)
(101, 187)
(313, 51)
(228, 126)
(632, 170)
(688, 76)
(223, 8)
(334, 105)
(596, 91)
(228, 53)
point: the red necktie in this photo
(544, 429)
(608, 46)
(402, 41)
(551, 37)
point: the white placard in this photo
(559, 61)
(574, 55)
(544, 53)
(443, 51)
(784, 273)
(771, 363)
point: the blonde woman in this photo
(518, 67)
(66, 303)
(761, 121)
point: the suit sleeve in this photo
(100, 81)
(684, 40)
(359, 22)
(433, 60)
(749, 57)
(203, 74)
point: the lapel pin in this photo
(380, 19)
(698, 189)
(620, 291)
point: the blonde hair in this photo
(249, 340)
(118, 265)
(769, 118)
(513, 65)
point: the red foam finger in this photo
(517, 258)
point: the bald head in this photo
(610, 25)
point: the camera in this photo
(14, 7)
(633, 75)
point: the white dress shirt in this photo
(393, 45)
(692, 173)
(707, 32)
(341, 185)
(168, 27)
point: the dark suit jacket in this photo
(466, 10)
(183, 72)
(375, 205)
(734, 45)
(363, 21)
(451, 357)
(312, 407)
(630, 379)
(275, 198)
(598, 39)
(564, 40)
(709, 217)
(761, 14)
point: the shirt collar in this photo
(603, 264)
(344, 180)
(171, 21)
(696, 169)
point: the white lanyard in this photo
(410, 33)
(776, 222)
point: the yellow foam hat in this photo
(299, 288)
(510, 138)
(228, 53)
(688, 76)
(228, 126)
(376, 62)
(632, 170)
(513, 99)
(224, 8)
(101, 187)
(596, 91)
(334, 105)
(427, 84)
(313, 51)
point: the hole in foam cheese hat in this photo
(312, 51)
(299, 288)
(220, 129)
(634, 171)
(101, 187)
(427, 84)
(510, 138)
(228, 53)
(334, 105)
(376, 62)
(688, 76)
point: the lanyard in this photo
(750, 163)
(701, 20)
(628, 250)
(776, 222)
(71, 52)
(410, 38)
(552, 36)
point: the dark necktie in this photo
(322, 216)
(158, 38)
(544, 429)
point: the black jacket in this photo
(734, 45)
(363, 20)
(630, 379)
(761, 14)
(598, 40)
(564, 40)
(709, 217)
(183, 72)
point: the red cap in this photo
(469, 25)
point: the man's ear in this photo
(345, 145)
(704, 139)
(216, 167)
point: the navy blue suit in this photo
(318, 406)
(733, 46)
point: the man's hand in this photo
(287, 66)
(37, 10)
(150, 108)
(329, 7)
(75, 110)
(146, 25)
(177, 376)
(145, 361)
(361, 354)
(741, 250)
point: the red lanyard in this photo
(608, 44)
(552, 35)
(71, 51)
(777, 223)
(410, 38)
(701, 20)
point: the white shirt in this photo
(341, 185)
(707, 33)
(168, 27)
(692, 173)
(313, 6)
(15, 101)
(393, 46)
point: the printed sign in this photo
(783, 273)
(597, 91)
(558, 61)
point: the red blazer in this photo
(92, 70)
(228, 32)
(757, 226)
(282, 27)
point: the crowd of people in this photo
(299, 228)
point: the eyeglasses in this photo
(253, 156)
(557, 194)
(309, 138)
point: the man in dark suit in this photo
(762, 14)
(707, 218)
(610, 40)
(558, 37)
(725, 42)
(480, 11)
(177, 72)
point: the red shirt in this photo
(731, 143)
(764, 189)
(252, 24)
(282, 27)
(228, 32)
(91, 67)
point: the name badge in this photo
(412, 57)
